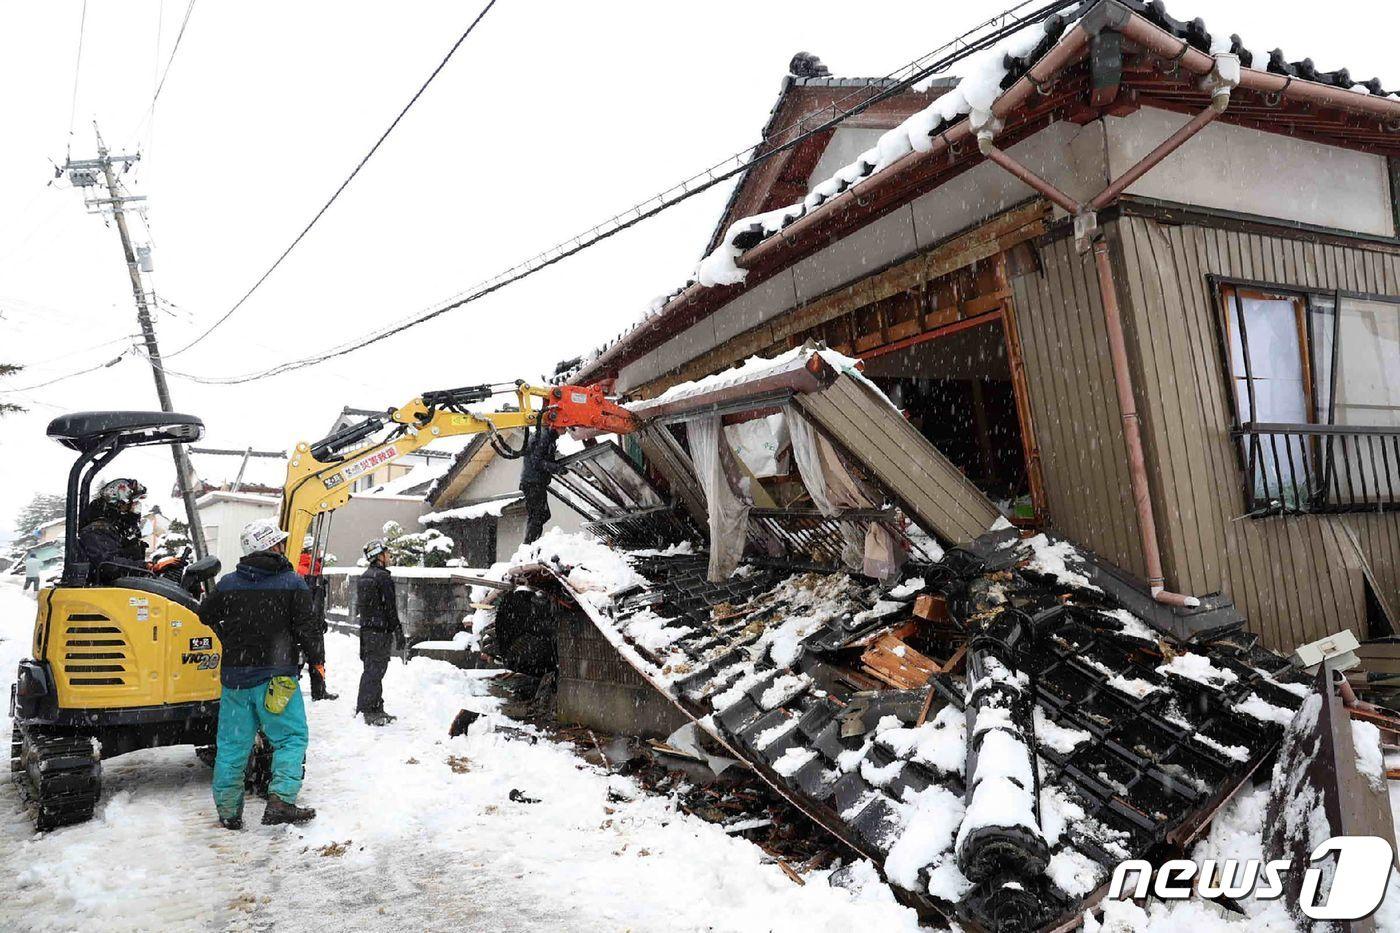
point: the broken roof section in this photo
(998, 722)
(994, 731)
(1027, 76)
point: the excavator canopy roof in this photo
(85, 430)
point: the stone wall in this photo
(430, 608)
(600, 690)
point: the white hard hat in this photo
(307, 541)
(261, 534)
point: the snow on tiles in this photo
(1056, 560)
(749, 655)
(1199, 668)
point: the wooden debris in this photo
(892, 661)
(932, 607)
(926, 708)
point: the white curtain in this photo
(833, 488)
(728, 513)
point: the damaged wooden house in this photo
(1139, 281)
(1012, 434)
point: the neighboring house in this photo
(1253, 273)
(478, 502)
(261, 472)
(223, 515)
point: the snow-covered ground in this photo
(403, 839)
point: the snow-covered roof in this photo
(491, 507)
(983, 76)
(415, 483)
(251, 498)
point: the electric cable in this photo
(77, 73)
(343, 185)
(82, 372)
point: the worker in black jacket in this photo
(263, 616)
(535, 473)
(109, 532)
(380, 631)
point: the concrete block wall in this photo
(600, 690)
(430, 608)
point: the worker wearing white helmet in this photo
(263, 615)
(376, 609)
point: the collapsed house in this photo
(997, 721)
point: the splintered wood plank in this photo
(891, 660)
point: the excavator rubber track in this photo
(60, 773)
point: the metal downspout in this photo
(1224, 76)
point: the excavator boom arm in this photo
(320, 475)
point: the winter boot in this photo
(231, 822)
(279, 811)
(379, 718)
(324, 695)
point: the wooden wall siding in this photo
(1075, 411)
(1296, 578)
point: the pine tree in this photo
(9, 369)
(44, 507)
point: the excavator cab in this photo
(116, 666)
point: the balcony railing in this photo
(806, 537)
(1320, 468)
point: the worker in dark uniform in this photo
(109, 531)
(380, 631)
(309, 567)
(535, 473)
(262, 615)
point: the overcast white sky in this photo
(553, 115)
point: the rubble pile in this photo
(997, 730)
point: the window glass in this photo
(1368, 370)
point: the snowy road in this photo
(426, 846)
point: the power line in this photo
(962, 47)
(160, 82)
(343, 185)
(82, 372)
(171, 60)
(77, 72)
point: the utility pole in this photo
(83, 174)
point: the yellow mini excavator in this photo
(115, 667)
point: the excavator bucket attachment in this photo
(586, 407)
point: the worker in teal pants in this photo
(263, 615)
(241, 715)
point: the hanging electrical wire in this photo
(926, 66)
(149, 115)
(77, 72)
(82, 372)
(343, 185)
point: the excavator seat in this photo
(87, 430)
